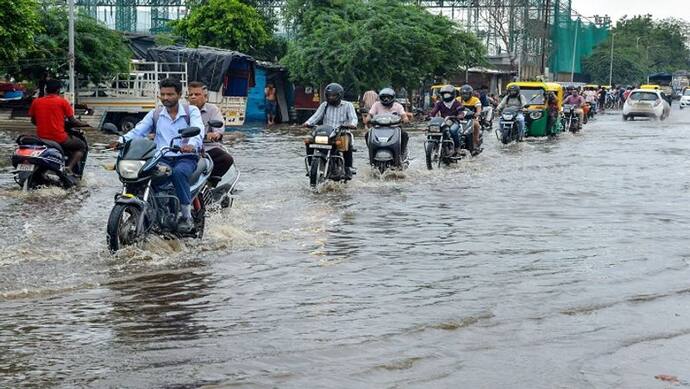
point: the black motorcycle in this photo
(325, 158)
(147, 203)
(439, 146)
(39, 162)
(571, 120)
(508, 130)
(384, 141)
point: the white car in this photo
(685, 99)
(646, 103)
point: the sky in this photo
(616, 9)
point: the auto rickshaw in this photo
(537, 115)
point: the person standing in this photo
(271, 103)
(369, 98)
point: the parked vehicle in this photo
(146, 207)
(39, 162)
(650, 103)
(385, 144)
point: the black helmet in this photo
(466, 92)
(387, 96)
(513, 90)
(334, 93)
(447, 93)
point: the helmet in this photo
(466, 92)
(334, 93)
(387, 96)
(514, 90)
(447, 93)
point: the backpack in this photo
(159, 109)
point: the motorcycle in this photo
(147, 204)
(325, 159)
(221, 189)
(466, 131)
(439, 145)
(385, 143)
(508, 130)
(40, 162)
(571, 119)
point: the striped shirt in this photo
(342, 115)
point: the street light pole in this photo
(70, 54)
(613, 36)
(572, 67)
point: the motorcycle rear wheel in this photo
(122, 226)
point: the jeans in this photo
(182, 169)
(520, 120)
(455, 134)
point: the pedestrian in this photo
(368, 99)
(271, 103)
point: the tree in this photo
(641, 46)
(375, 43)
(227, 24)
(18, 28)
(99, 51)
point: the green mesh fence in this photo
(567, 33)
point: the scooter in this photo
(40, 162)
(487, 118)
(385, 144)
(147, 203)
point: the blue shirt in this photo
(167, 129)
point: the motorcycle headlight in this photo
(536, 115)
(434, 128)
(129, 170)
(320, 139)
(508, 117)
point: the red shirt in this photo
(49, 113)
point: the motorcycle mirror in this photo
(216, 123)
(189, 132)
(110, 128)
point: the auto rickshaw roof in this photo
(553, 86)
(529, 85)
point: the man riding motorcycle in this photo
(578, 101)
(49, 113)
(472, 102)
(388, 105)
(166, 124)
(447, 106)
(337, 113)
(515, 100)
(222, 160)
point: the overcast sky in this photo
(618, 8)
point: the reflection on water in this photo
(551, 263)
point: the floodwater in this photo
(550, 264)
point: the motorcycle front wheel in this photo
(429, 150)
(316, 174)
(122, 226)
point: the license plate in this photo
(25, 167)
(324, 147)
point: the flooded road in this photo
(550, 264)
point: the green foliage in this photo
(228, 24)
(99, 51)
(18, 28)
(376, 43)
(641, 46)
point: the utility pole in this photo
(546, 35)
(70, 55)
(613, 36)
(572, 67)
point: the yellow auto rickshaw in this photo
(537, 115)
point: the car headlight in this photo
(129, 170)
(536, 115)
